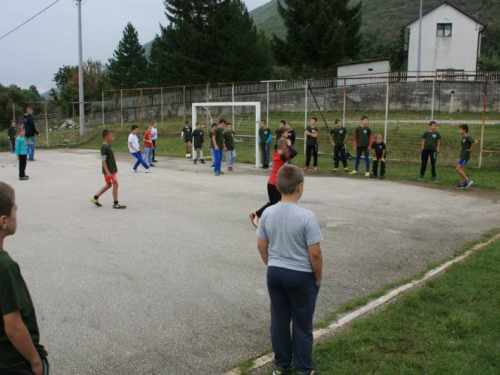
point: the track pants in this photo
(274, 197)
(338, 155)
(230, 157)
(360, 151)
(218, 160)
(375, 168)
(426, 154)
(265, 150)
(293, 300)
(311, 150)
(140, 160)
(154, 149)
(22, 165)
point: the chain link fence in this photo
(398, 105)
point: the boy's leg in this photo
(315, 155)
(115, 193)
(302, 292)
(103, 190)
(425, 158)
(274, 194)
(268, 153)
(343, 156)
(137, 163)
(13, 145)
(229, 158)
(359, 152)
(433, 163)
(308, 155)
(22, 166)
(336, 156)
(375, 168)
(382, 168)
(154, 148)
(367, 160)
(212, 152)
(31, 148)
(280, 319)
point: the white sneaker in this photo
(134, 171)
(148, 170)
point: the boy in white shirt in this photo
(135, 149)
(154, 132)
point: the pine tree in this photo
(320, 35)
(128, 67)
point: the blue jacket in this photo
(21, 146)
(29, 126)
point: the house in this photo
(451, 40)
(364, 68)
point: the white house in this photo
(364, 68)
(451, 40)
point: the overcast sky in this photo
(33, 54)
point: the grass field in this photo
(448, 326)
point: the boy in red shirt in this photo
(281, 156)
(148, 146)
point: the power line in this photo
(32, 18)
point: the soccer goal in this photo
(245, 117)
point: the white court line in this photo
(371, 307)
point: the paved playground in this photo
(174, 284)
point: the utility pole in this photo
(419, 61)
(81, 97)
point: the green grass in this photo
(449, 326)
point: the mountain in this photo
(267, 18)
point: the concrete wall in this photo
(458, 51)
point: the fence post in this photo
(161, 106)
(267, 104)
(483, 120)
(305, 114)
(386, 110)
(345, 101)
(14, 111)
(232, 99)
(73, 115)
(142, 109)
(433, 97)
(121, 108)
(46, 125)
(184, 103)
(102, 108)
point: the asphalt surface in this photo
(174, 284)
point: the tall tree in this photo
(320, 34)
(208, 41)
(128, 66)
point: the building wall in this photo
(456, 52)
(376, 67)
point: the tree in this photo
(320, 35)
(208, 41)
(128, 67)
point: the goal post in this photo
(231, 106)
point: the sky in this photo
(34, 53)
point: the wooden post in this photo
(345, 101)
(184, 103)
(483, 120)
(14, 111)
(161, 109)
(102, 108)
(46, 125)
(142, 110)
(121, 108)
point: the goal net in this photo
(245, 118)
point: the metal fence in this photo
(399, 106)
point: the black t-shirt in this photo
(198, 138)
(187, 133)
(339, 136)
(431, 140)
(291, 136)
(219, 138)
(264, 135)
(363, 136)
(108, 156)
(379, 149)
(229, 140)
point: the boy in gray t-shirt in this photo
(289, 243)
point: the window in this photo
(444, 29)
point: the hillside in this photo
(382, 19)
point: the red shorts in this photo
(111, 180)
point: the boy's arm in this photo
(263, 246)
(18, 147)
(355, 140)
(105, 167)
(474, 145)
(315, 135)
(346, 138)
(384, 151)
(19, 336)
(423, 144)
(316, 258)
(438, 145)
(331, 139)
(214, 142)
(269, 139)
(370, 141)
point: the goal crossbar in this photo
(256, 105)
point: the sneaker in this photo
(119, 206)
(315, 169)
(305, 168)
(195, 161)
(152, 165)
(254, 219)
(382, 177)
(24, 178)
(368, 174)
(354, 172)
(212, 166)
(230, 169)
(203, 161)
(468, 184)
(314, 372)
(346, 169)
(216, 174)
(335, 169)
(155, 161)
(460, 185)
(148, 170)
(188, 155)
(135, 171)
(434, 179)
(265, 166)
(96, 202)
(421, 178)
(373, 176)
(221, 172)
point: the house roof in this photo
(363, 62)
(457, 7)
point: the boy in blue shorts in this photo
(468, 145)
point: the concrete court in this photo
(174, 284)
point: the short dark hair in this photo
(134, 127)
(228, 123)
(282, 131)
(289, 177)
(364, 118)
(186, 122)
(314, 118)
(7, 199)
(264, 121)
(105, 132)
(20, 130)
(432, 123)
(283, 122)
(465, 127)
(222, 121)
(337, 120)
(214, 124)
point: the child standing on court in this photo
(265, 138)
(109, 170)
(20, 348)
(278, 132)
(468, 145)
(281, 156)
(187, 136)
(22, 153)
(154, 138)
(229, 135)
(148, 146)
(380, 156)
(291, 133)
(431, 143)
(212, 145)
(218, 140)
(338, 137)
(135, 149)
(363, 140)
(12, 136)
(289, 240)
(312, 134)
(198, 140)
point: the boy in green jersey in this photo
(468, 145)
(312, 133)
(229, 135)
(265, 138)
(363, 140)
(109, 170)
(198, 140)
(431, 143)
(212, 146)
(338, 138)
(20, 348)
(186, 135)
